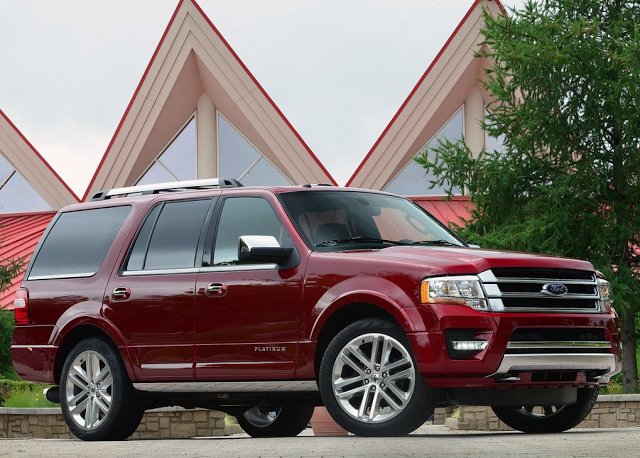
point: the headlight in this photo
(454, 290)
(606, 295)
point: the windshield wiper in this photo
(359, 239)
(435, 242)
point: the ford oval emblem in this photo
(554, 289)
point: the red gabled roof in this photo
(19, 235)
(453, 210)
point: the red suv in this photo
(264, 302)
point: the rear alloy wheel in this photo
(369, 381)
(96, 396)
(280, 421)
(549, 419)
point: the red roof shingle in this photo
(446, 210)
(19, 235)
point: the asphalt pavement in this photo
(428, 441)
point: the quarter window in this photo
(78, 242)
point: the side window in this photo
(139, 250)
(245, 216)
(78, 242)
(168, 238)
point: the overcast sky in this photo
(338, 69)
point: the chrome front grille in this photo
(521, 290)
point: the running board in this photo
(229, 387)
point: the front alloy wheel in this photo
(369, 381)
(373, 378)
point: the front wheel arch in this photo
(340, 319)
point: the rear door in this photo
(247, 315)
(151, 299)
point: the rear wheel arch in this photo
(75, 335)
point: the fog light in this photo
(470, 345)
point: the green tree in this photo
(9, 269)
(565, 85)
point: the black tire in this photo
(103, 406)
(379, 395)
(549, 419)
(281, 421)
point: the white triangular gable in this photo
(27, 182)
(194, 72)
(451, 82)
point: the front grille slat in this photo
(520, 290)
(538, 273)
(565, 297)
(558, 334)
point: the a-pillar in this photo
(207, 141)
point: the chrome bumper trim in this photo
(558, 362)
(529, 345)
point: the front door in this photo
(247, 315)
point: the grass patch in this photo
(230, 420)
(23, 395)
(25, 399)
(615, 384)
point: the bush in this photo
(5, 388)
(6, 333)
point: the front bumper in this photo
(509, 362)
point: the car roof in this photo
(141, 195)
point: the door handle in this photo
(121, 293)
(216, 289)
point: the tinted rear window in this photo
(78, 242)
(169, 236)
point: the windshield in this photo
(341, 219)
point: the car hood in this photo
(462, 260)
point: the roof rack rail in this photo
(155, 188)
(311, 185)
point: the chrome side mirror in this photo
(262, 248)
